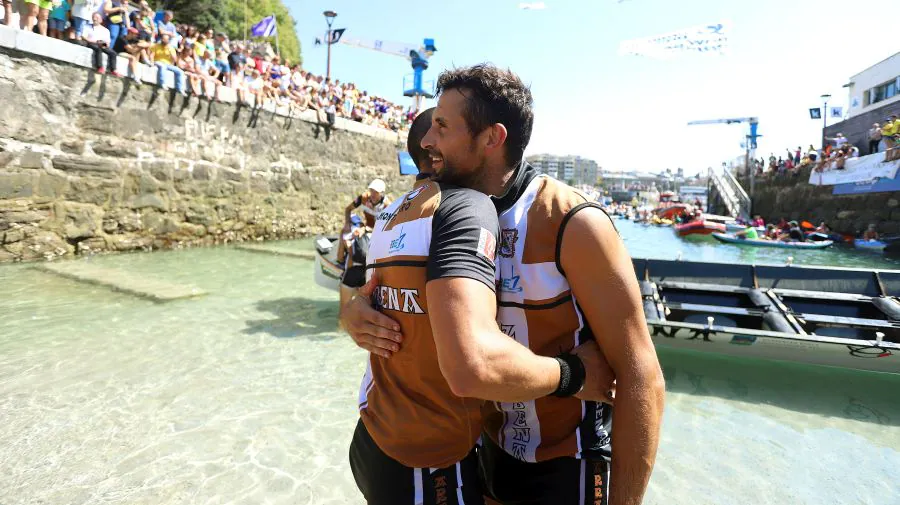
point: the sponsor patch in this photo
(487, 245)
(414, 193)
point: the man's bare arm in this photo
(600, 272)
(476, 358)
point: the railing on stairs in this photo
(732, 193)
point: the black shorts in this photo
(560, 481)
(354, 277)
(385, 481)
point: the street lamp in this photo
(824, 119)
(329, 18)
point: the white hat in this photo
(378, 185)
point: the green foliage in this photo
(231, 17)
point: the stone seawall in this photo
(91, 164)
(792, 197)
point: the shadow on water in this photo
(296, 317)
(845, 394)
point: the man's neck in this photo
(498, 180)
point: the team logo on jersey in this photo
(508, 240)
(397, 244)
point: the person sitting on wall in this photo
(888, 136)
(372, 201)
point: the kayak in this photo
(869, 245)
(699, 228)
(731, 239)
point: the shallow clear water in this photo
(248, 395)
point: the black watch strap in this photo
(571, 375)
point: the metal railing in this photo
(732, 193)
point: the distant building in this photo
(570, 169)
(873, 95)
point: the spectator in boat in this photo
(794, 234)
(747, 233)
(823, 228)
(372, 201)
(870, 233)
(758, 221)
(352, 251)
(772, 232)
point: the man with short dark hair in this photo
(565, 282)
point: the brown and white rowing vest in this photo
(539, 310)
(405, 402)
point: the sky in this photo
(627, 112)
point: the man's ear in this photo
(496, 136)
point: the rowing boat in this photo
(840, 317)
(731, 239)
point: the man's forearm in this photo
(636, 418)
(506, 371)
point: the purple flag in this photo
(265, 28)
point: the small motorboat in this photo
(731, 239)
(700, 227)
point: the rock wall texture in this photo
(794, 198)
(90, 165)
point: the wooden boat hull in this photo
(731, 239)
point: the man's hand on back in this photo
(600, 380)
(370, 329)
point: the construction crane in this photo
(416, 54)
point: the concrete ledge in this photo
(120, 280)
(277, 251)
(73, 54)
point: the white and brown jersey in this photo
(539, 310)
(432, 232)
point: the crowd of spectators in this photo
(884, 137)
(201, 60)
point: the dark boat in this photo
(841, 317)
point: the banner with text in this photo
(705, 39)
(865, 169)
(876, 186)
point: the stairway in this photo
(730, 192)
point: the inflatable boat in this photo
(699, 228)
(731, 239)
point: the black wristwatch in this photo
(571, 375)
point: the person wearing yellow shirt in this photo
(889, 134)
(164, 57)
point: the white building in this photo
(875, 87)
(571, 169)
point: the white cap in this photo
(378, 185)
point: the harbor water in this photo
(247, 395)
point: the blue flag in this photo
(265, 28)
